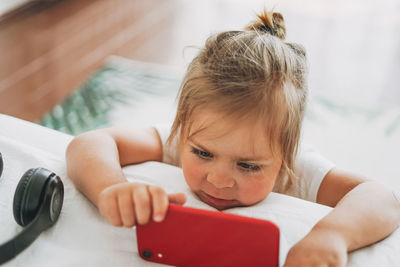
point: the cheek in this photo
(254, 190)
(193, 171)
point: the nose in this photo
(220, 180)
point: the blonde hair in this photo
(251, 73)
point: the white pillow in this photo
(295, 217)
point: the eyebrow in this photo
(248, 159)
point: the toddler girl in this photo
(236, 136)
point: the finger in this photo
(141, 199)
(126, 209)
(178, 198)
(160, 202)
(109, 208)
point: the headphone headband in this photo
(17, 244)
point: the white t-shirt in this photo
(310, 166)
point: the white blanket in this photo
(81, 237)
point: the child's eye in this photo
(201, 153)
(249, 166)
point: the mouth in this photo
(218, 203)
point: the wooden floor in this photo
(52, 50)
(47, 51)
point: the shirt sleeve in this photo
(170, 151)
(311, 168)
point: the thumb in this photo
(178, 198)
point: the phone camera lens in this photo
(147, 254)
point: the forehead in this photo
(241, 137)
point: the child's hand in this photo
(318, 248)
(128, 204)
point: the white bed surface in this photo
(82, 237)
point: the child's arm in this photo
(94, 161)
(365, 212)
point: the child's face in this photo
(228, 163)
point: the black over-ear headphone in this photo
(37, 204)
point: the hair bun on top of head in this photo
(269, 22)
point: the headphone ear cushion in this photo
(20, 191)
(1, 164)
(28, 195)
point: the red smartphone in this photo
(192, 237)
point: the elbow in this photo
(72, 154)
(76, 152)
(80, 142)
(393, 201)
(396, 196)
(74, 146)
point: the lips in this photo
(217, 203)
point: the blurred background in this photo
(50, 47)
(50, 50)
